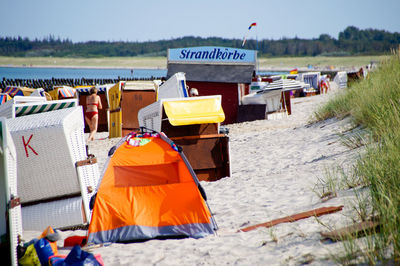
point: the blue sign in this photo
(212, 55)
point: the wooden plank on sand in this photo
(295, 217)
(355, 230)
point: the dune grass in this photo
(374, 104)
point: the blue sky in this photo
(132, 20)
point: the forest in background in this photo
(351, 41)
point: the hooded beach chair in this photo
(103, 114)
(18, 91)
(125, 99)
(311, 78)
(24, 91)
(273, 96)
(341, 79)
(174, 87)
(41, 93)
(55, 176)
(194, 124)
(10, 208)
(148, 190)
(4, 97)
(62, 92)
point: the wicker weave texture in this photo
(47, 151)
(6, 112)
(58, 214)
(9, 173)
(150, 116)
(15, 213)
(89, 176)
(48, 146)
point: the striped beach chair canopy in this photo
(4, 97)
(66, 92)
(100, 88)
(18, 91)
(22, 105)
(33, 108)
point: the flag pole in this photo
(244, 41)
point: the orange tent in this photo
(148, 190)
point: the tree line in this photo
(351, 41)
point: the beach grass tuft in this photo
(374, 104)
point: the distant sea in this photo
(78, 73)
(88, 73)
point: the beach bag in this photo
(57, 260)
(30, 257)
(49, 234)
(38, 251)
(77, 257)
(75, 240)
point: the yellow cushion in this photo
(199, 111)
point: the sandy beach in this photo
(275, 165)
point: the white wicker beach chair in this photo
(341, 79)
(311, 78)
(49, 147)
(174, 87)
(39, 92)
(10, 204)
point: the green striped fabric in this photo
(41, 108)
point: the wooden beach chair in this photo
(102, 91)
(62, 92)
(54, 172)
(194, 124)
(126, 98)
